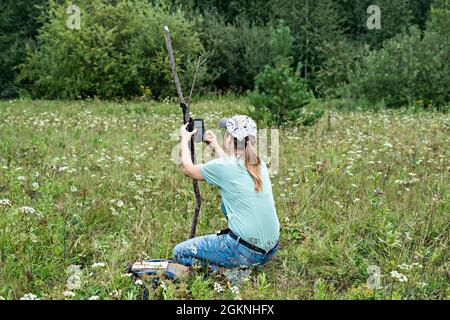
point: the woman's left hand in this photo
(184, 134)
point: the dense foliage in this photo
(279, 95)
(119, 50)
(410, 67)
(19, 22)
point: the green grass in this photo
(371, 190)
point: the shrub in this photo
(119, 48)
(279, 96)
(411, 66)
(342, 57)
(433, 79)
(389, 73)
(236, 52)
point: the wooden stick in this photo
(197, 68)
(173, 64)
(185, 109)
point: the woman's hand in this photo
(211, 139)
(186, 135)
(188, 168)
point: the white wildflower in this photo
(35, 185)
(63, 168)
(218, 287)
(414, 180)
(98, 265)
(120, 203)
(21, 178)
(93, 298)
(27, 210)
(74, 280)
(73, 189)
(116, 294)
(405, 266)
(422, 284)
(73, 269)
(399, 276)
(69, 294)
(235, 290)
(29, 296)
(5, 202)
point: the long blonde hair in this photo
(253, 163)
(252, 160)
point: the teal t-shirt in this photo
(250, 214)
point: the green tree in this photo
(19, 22)
(313, 24)
(396, 16)
(236, 52)
(119, 48)
(252, 11)
(343, 57)
(411, 66)
(388, 74)
(433, 79)
(279, 95)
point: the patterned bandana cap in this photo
(239, 126)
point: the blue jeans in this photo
(219, 251)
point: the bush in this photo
(433, 79)
(410, 67)
(279, 96)
(236, 52)
(119, 48)
(342, 57)
(388, 74)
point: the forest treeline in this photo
(119, 51)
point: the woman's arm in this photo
(211, 140)
(187, 167)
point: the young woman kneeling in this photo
(247, 201)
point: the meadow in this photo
(86, 186)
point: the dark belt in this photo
(243, 242)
